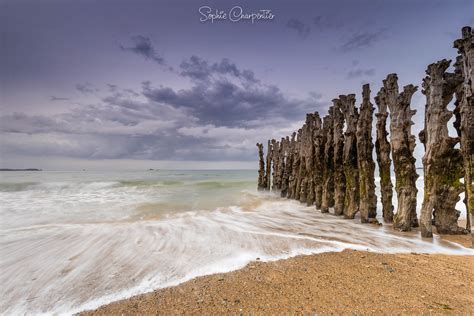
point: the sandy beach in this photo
(347, 282)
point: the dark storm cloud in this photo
(356, 73)
(54, 98)
(226, 103)
(224, 94)
(199, 69)
(141, 45)
(300, 27)
(223, 114)
(86, 88)
(362, 39)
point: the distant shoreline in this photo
(28, 169)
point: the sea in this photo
(73, 241)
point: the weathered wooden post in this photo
(285, 143)
(442, 163)
(300, 165)
(268, 172)
(261, 168)
(339, 177)
(465, 108)
(365, 147)
(304, 174)
(318, 139)
(288, 165)
(403, 145)
(382, 149)
(327, 200)
(275, 163)
(351, 172)
(309, 158)
(292, 191)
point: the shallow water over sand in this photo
(75, 240)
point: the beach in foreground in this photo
(347, 282)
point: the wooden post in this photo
(339, 177)
(268, 172)
(382, 149)
(261, 169)
(465, 47)
(351, 172)
(327, 200)
(318, 161)
(365, 147)
(403, 145)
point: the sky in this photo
(148, 84)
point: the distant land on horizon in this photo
(28, 169)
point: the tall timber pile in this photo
(328, 162)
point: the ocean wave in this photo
(222, 184)
(110, 261)
(16, 186)
(67, 246)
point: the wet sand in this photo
(348, 282)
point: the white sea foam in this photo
(76, 242)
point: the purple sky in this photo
(145, 84)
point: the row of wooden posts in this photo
(328, 162)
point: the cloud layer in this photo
(221, 116)
(141, 45)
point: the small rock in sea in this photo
(258, 258)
